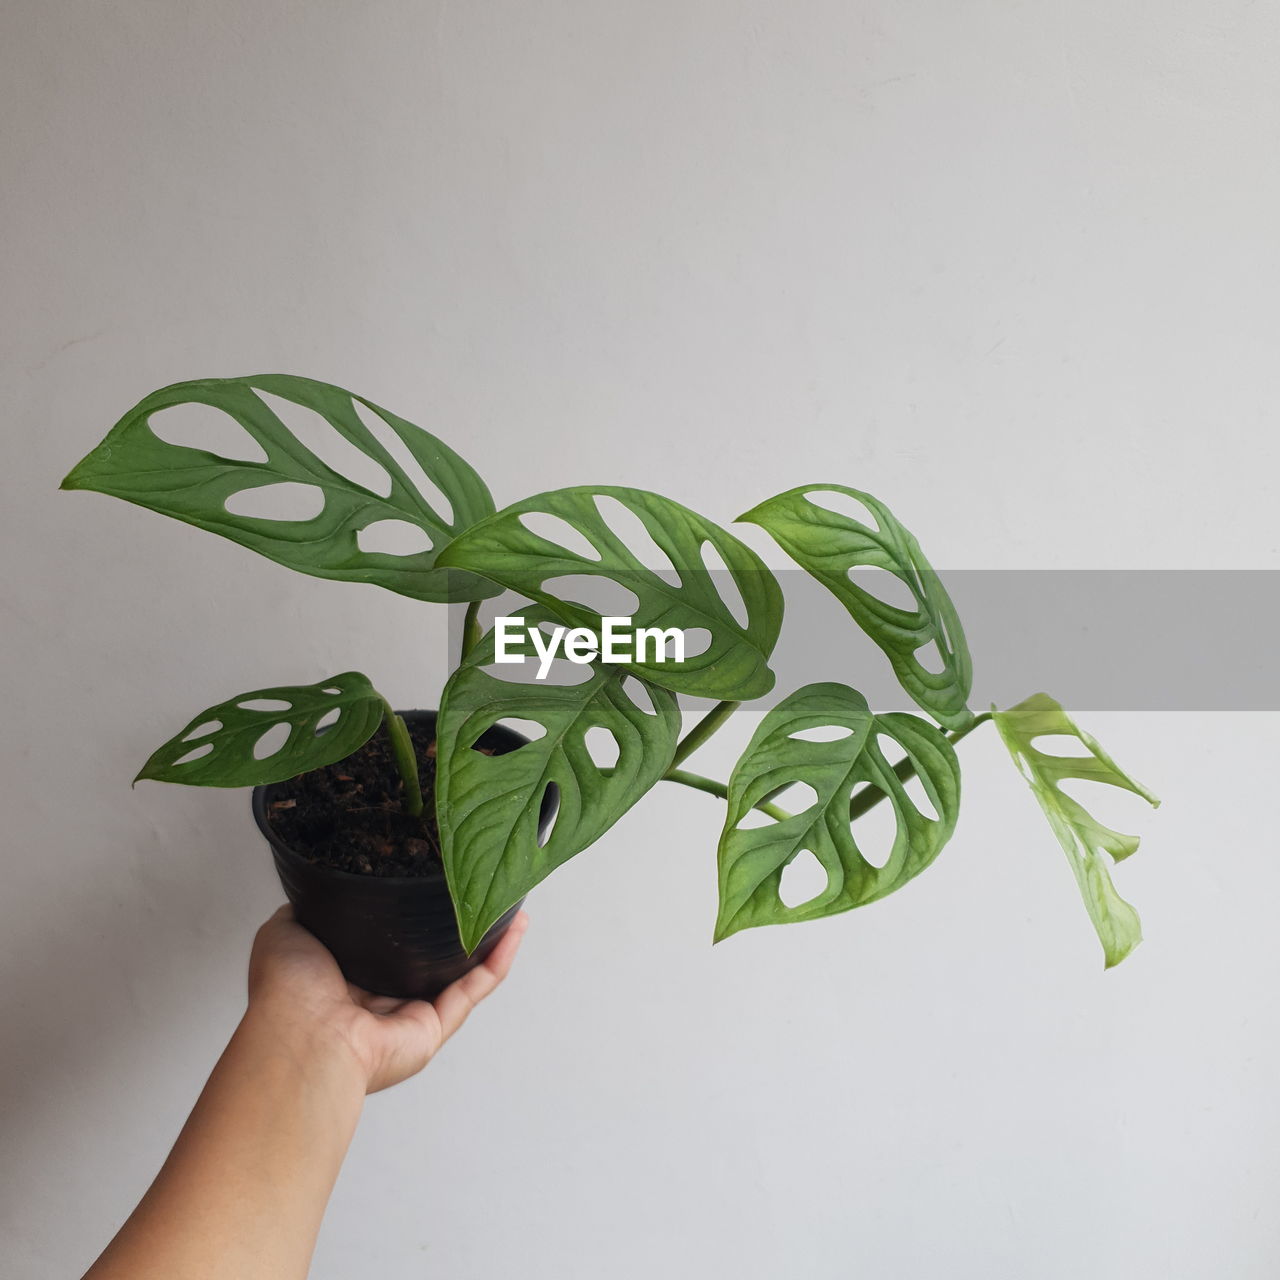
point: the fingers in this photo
(281, 934)
(383, 1006)
(269, 937)
(454, 1003)
(412, 1031)
(420, 1020)
(500, 959)
(275, 924)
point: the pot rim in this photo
(314, 867)
(259, 808)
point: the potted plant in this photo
(406, 840)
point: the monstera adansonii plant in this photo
(486, 806)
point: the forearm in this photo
(243, 1191)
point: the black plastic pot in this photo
(393, 935)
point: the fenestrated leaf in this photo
(828, 545)
(487, 806)
(233, 729)
(1087, 842)
(752, 858)
(194, 485)
(734, 665)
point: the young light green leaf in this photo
(829, 545)
(487, 806)
(1087, 841)
(734, 665)
(752, 859)
(195, 485)
(217, 748)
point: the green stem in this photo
(406, 759)
(865, 799)
(871, 796)
(703, 730)
(471, 628)
(714, 788)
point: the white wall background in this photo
(1011, 266)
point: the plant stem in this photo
(714, 788)
(865, 799)
(406, 759)
(870, 796)
(703, 730)
(471, 628)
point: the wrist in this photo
(308, 1048)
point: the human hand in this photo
(296, 987)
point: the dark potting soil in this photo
(350, 815)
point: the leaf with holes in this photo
(1088, 843)
(828, 545)
(735, 664)
(217, 748)
(194, 485)
(752, 859)
(487, 806)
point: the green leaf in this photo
(487, 806)
(734, 665)
(1087, 842)
(232, 729)
(753, 858)
(193, 485)
(828, 545)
